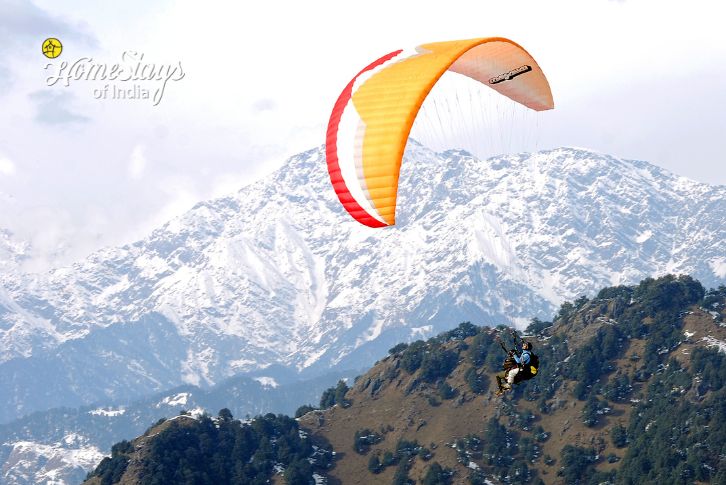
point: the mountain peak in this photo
(278, 273)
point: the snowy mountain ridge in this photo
(280, 274)
(66, 461)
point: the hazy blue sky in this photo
(635, 79)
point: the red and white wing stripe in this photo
(344, 146)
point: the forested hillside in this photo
(630, 390)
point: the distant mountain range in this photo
(278, 274)
(61, 445)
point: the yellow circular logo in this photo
(52, 48)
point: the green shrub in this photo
(437, 475)
(413, 356)
(619, 436)
(578, 464)
(593, 409)
(446, 391)
(304, 409)
(477, 383)
(437, 363)
(374, 464)
(335, 395)
(536, 326)
(364, 439)
(397, 349)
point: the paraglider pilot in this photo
(516, 363)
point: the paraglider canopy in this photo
(372, 118)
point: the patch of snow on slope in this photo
(175, 400)
(197, 412)
(521, 322)
(196, 367)
(422, 332)
(241, 365)
(151, 265)
(373, 332)
(314, 356)
(714, 342)
(107, 412)
(644, 236)
(718, 266)
(493, 245)
(267, 382)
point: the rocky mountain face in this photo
(630, 389)
(279, 274)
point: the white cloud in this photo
(137, 163)
(181, 195)
(265, 104)
(228, 184)
(7, 167)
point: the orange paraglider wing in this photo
(372, 118)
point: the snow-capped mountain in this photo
(280, 274)
(66, 461)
